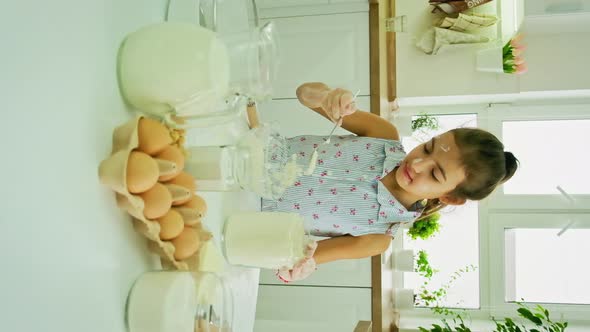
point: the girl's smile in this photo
(406, 170)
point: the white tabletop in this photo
(69, 255)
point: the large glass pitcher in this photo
(168, 66)
(254, 59)
(177, 69)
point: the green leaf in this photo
(509, 321)
(526, 313)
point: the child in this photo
(365, 186)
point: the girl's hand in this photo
(302, 269)
(312, 94)
(338, 103)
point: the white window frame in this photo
(496, 115)
(491, 229)
(499, 223)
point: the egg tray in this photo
(112, 173)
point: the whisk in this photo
(314, 155)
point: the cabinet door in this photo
(325, 309)
(288, 3)
(345, 273)
(291, 8)
(294, 119)
(328, 48)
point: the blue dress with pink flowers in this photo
(344, 195)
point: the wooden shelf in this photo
(381, 55)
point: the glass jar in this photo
(172, 301)
(269, 240)
(260, 162)
(213, 167)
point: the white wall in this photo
(452, 71)
(557, 52)
(557, 48)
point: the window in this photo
(456, 246)
(534, 234)
(554, 150)
(543, 265)
(528, 241)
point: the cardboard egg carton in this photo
(112, 173)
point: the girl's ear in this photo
(451, 200)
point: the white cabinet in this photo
(311, 309)
(344, 273)
(294, 119)
(290, 8)
(328, 48)
(316, 43)
(287, 3)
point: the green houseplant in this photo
(425, 122)
(425, 228)
(530, 320)
(433, 298)
(423, 265)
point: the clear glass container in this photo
(215, 15)
(173, 301)
(198, 112)
(260, 163)
(253, 58)
(269, 240)
(214, 311)
(230, 15)
(213, 167)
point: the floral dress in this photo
(344, 194)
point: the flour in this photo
(267, 170)
(312, 163)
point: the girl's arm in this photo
(350, 247)
(359, 123)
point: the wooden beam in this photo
(383, 91)
(374, 60)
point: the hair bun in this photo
(511, 164)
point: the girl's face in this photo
(432, 169)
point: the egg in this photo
(157, 201)
(166, 167)
(189, 216)
(142, 172)
(153, 136)
(186, 244)
(197, 203)
(171, 225)
(184, 179)
(173, 154)
(180, 194)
